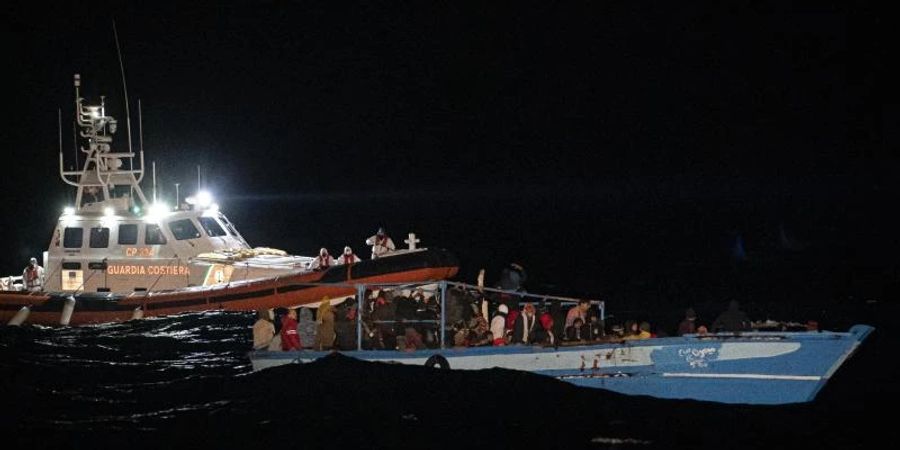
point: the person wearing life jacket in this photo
(290, 340)
(498, 325)
(511, 318)
(323, 261)
(33, 276)
(381, 243)
(347, 257)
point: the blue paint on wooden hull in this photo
(749, 368)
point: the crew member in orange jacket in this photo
(33, 276)
(347, 257)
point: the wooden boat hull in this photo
(290, 290)
(750, 368)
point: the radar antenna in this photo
(102, 170)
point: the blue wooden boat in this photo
(758, 367)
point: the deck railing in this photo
(12, 283)
(438, 289)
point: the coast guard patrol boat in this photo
(114, 255)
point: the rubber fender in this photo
(20, 317)
(67, 310)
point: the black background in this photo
(592, 142)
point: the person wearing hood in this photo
(512, 278)
(733, 319)
(323, 261)
(347, 257)
(306, 326)
(498, 325)
(290, 340)
(689, 324)
(325, 320)
(381, 243)
(263, 331)
(33, 276)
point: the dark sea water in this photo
(186, 382)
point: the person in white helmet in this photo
(323, 261)
(33, 276)
(347, 257)
(381, 243)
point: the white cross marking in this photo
(412, 241)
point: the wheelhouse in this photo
(128, 252)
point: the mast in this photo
(103, 169)
(124, 88)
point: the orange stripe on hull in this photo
(160, 304)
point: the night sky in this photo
(590, 130)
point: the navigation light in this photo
(212, 211)
(201, 199)
(157, 211)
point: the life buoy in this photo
(437, 360)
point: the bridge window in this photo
(153, 235)
(73, 237)
(229, 226)
(128, 234)
(184, 229)
(211, 226)
(99, 237)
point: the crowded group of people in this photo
(297, 329)
(389, 322)
(411, 320)
(527, 324)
